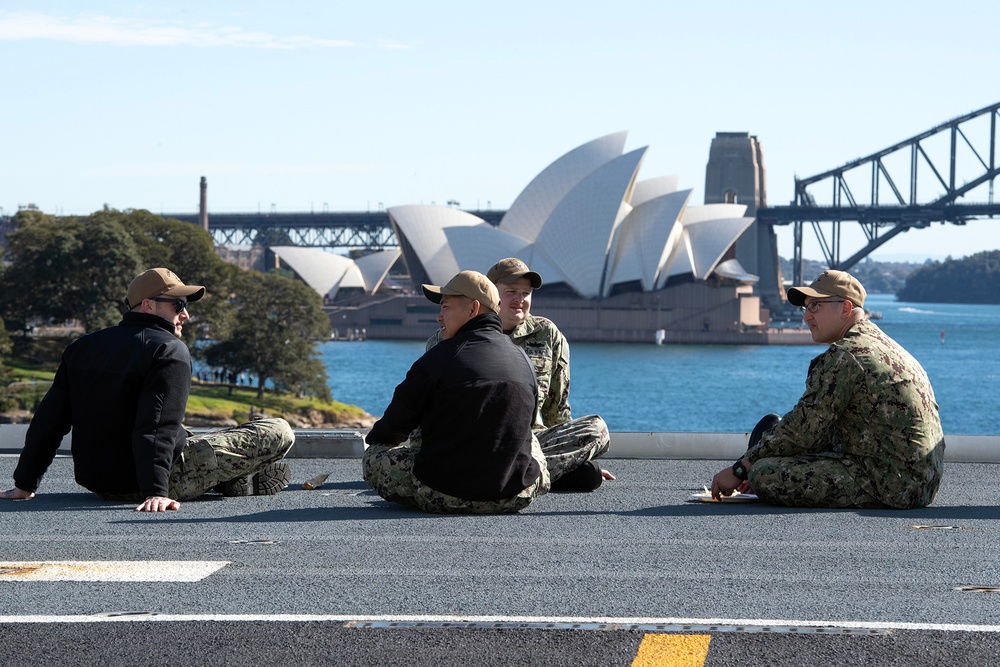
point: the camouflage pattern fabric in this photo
(810, 480)
(569, 445)
(220, 456)
(865, 433)
(389, 470)
(208, 459)
(548, 351)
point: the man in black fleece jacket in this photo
(123, 391)
(473, 396)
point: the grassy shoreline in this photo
(207, 403)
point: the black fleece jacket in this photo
(473, 397)
(123, 390)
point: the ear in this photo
(477, 308)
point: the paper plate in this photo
(706, 497)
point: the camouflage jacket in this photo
(867, 398)
(548, 351)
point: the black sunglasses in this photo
(179, 304)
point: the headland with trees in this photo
(971, 279)
(63, 277)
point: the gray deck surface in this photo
(634, 556)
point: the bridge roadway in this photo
(632, 574)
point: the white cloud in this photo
(24, 26)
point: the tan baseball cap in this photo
(507, 271)
(160, 282)
(471, 284)
(830, 283)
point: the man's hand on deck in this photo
(158, 504)
(17, 494)
(724, 483)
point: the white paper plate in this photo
(706, 497)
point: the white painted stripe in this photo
(621, 622)
(109, 570)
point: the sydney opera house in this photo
(621, 258)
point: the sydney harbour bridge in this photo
(928, 178)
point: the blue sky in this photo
(298, 106)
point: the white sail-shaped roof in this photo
(581, 226)
(708, 241)
(423, 225)
(321, 270)
(647, 239)
(327, 272)
(682, 259)
(651, 188)
(617, 248)
(479, 248)
(350, 278)
(375, 267)
(733, 270)
(539, 199)
(696, 214)
(624, 260)
(585, 221)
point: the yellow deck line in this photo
(658, 650)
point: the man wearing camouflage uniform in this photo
(865, 433)
(473, 397)
(569, 445)
(123, 392)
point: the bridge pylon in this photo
(735, 175)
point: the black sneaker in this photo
(585, 478)
(265, 482)
(765, 424)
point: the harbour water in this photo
(724, 388)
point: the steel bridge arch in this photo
(967, 155)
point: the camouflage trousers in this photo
(810, 480)
(569, 445)
(389, 470)
(821, 479)
(208, 459)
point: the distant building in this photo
(586, 224)
(735, 175)
(620, 258)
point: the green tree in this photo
(65, 269)
(33, 286)
(78, 268)
(185, 249)
(106, 263)
(972, 279)
(6, 347)
(278, 321)
(188, 251)
(877, 277)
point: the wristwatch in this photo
(739, 470)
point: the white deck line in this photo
(539, 621)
